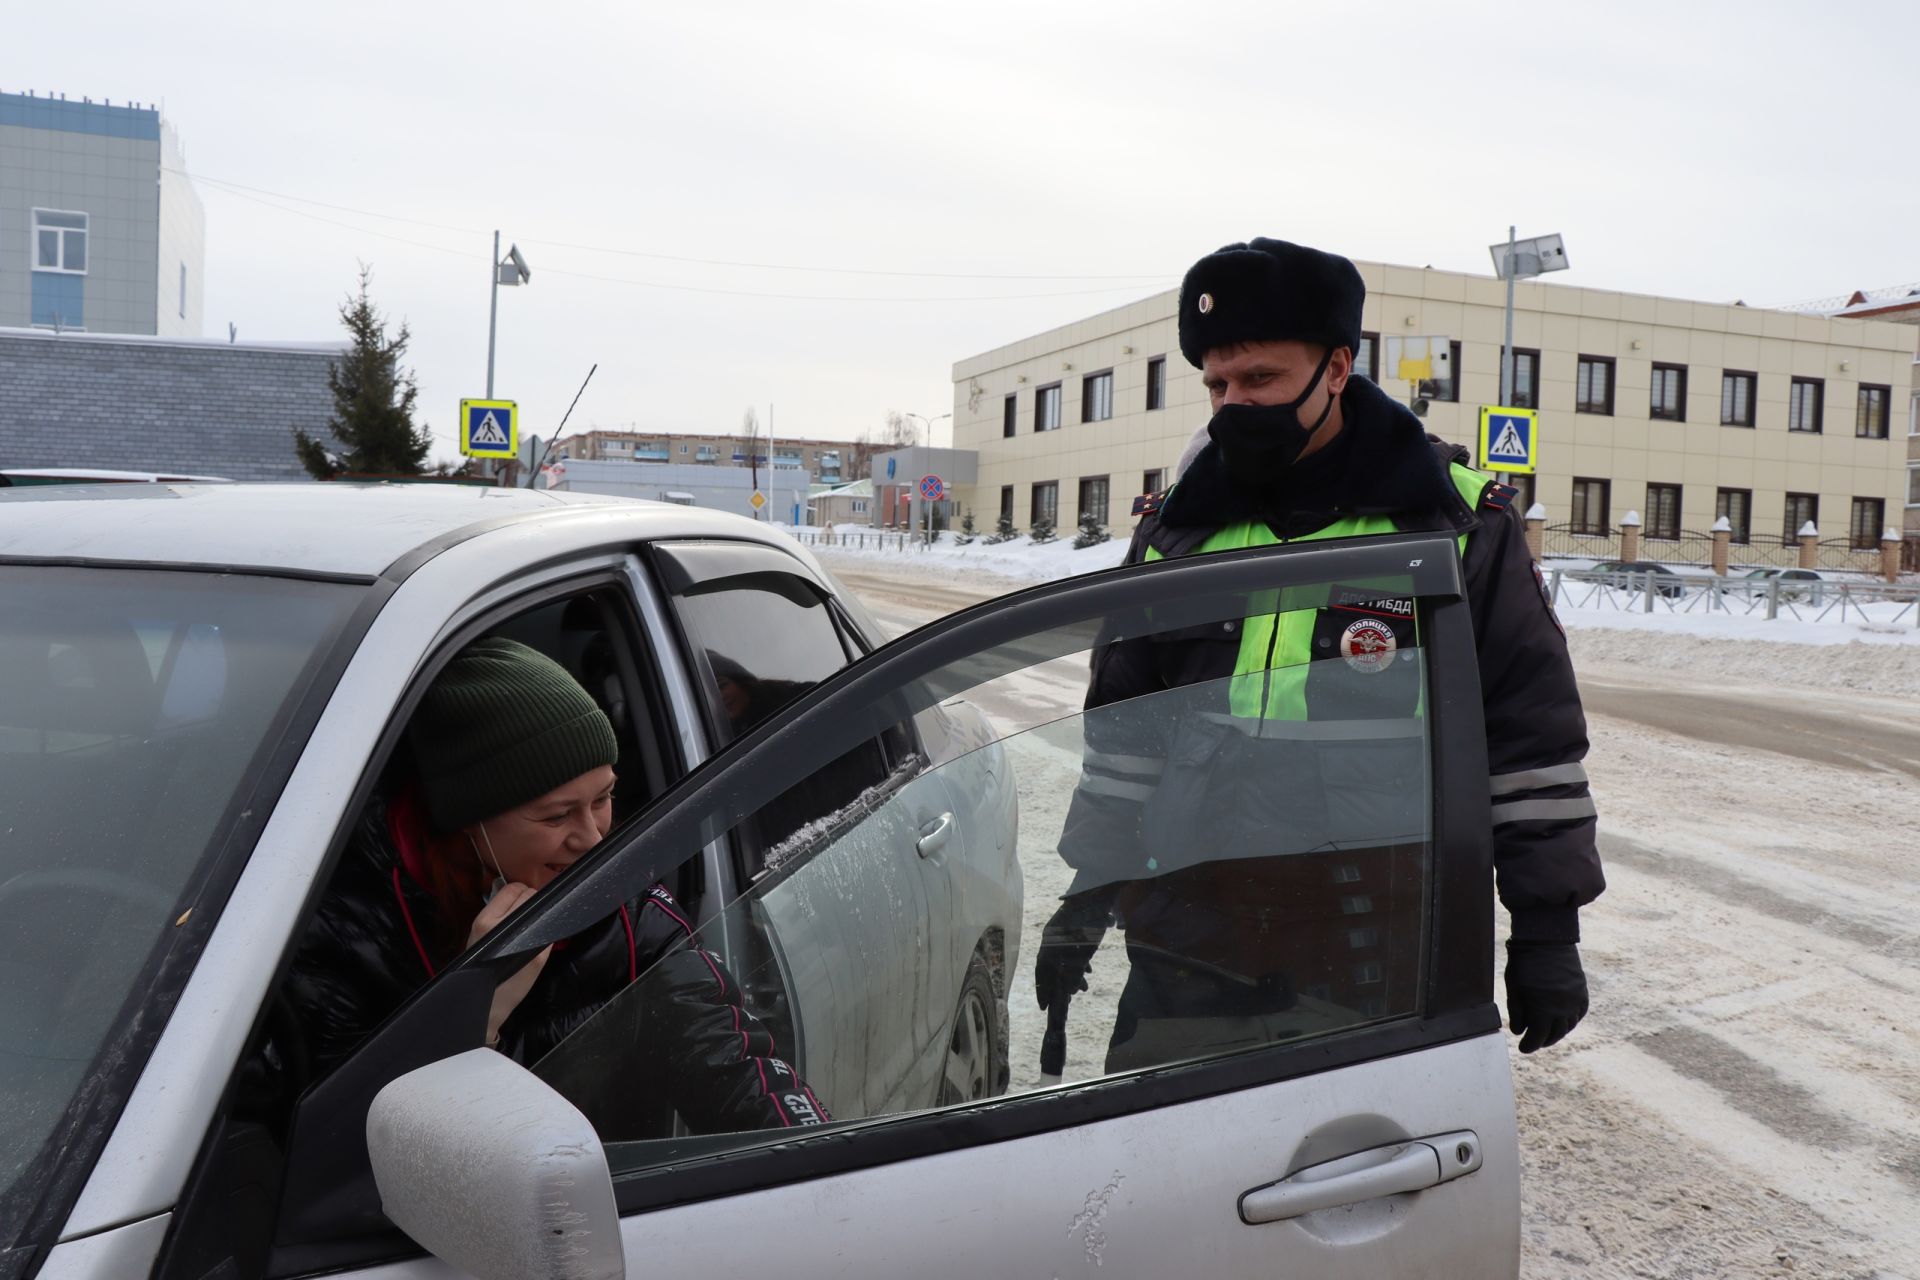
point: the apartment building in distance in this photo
(1679, 411)
(826, 460)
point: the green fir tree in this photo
(372, 402)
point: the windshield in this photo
(133, 709)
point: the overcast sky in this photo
(974, 172)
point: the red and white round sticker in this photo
(1368, 645)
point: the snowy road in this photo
(1744, 1099)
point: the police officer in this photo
(1299, 447)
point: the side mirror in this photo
(488, 1168)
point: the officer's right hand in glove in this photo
(1067, 944)
(1546, 992)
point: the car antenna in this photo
(534, 469)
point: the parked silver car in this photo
(201, 686)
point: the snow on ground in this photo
(1579, 604)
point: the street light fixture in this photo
(1522, 260)
(510, 270)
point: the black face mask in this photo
(1261, 442)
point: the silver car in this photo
(201, 686)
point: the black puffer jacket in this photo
(1382, 463)
(685, 1042)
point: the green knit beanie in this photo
(503, 724)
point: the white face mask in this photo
(499, 876)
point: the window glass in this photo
(1669, 392)
(1589, 505)
(1526, 379)
(1803, 509)
(1736, 505)
(1096, 397)
(1663, 511)
(1870, 413)
(898, 932)
(1046, 503)
(1593, 386)
(49, 249)
(1803, 404)
(132, 709)
(1046, 408)
(1869, 521)
(1007, 427)
(1157, 383)
(1093, 499)
(1736, 399)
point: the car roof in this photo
(347, 529)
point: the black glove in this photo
(1546, 992)
(1067, 944)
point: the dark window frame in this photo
(1654, 409)
(1583, 521)
(1752, 381)
(1006, 503)
(1086, 398)
(1105, 497)
(1865, 536)
(1818, 388)
(1040, 398)
(1448, 392)
(1153, 480)
(1862, 405)
(1742, 528)
(1010, 417)
(1156, 383)
(1370, 345)
(1810, 510)
(1051, 487)
(1531, 398)
(1603, 408)
(1659, 528)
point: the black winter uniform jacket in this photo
(1382, 463)
(687, 1044)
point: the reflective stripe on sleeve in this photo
(1505, 784)
(1151, 766)
(1095, 784)
(1543, 810)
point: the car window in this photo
(1220, 914)
(133, 709)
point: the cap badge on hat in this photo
(1206, 303)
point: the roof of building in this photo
(1886, 303)
(329, 347)
(850, 489)
(31, 111)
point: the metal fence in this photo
(1693, 547)
(1881, 603)
(858, 539)
(1566, 540)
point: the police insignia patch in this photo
(1368, 646)
(1148, 503)
(1499, 496)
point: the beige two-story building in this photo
(1679, 411)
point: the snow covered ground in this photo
(1744, 1098)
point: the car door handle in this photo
(1365, 1175)
(934, 836)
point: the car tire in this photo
(976, 1065)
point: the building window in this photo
(1006, 505)
(1153, 481)
(1669, 399)
(183, 291)
(1913, 484)
(1447, 388)
(1009, 426)
(1156, 383)
(1096, 397)
(683, 448)
(1046, 502)
(1367, 359)
(1870, 415)
(1590, 505)
(1803, 404)
(1869, 518)
(1803, 509)
(60, 241)
(1593, 386)
(1736, 507)
(1093, 499)
(1046, 408)
(1663, 512)
(1526, 379)
(859, 506)
(1736, 398)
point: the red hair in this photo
(446, 865)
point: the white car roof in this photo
(335, 528)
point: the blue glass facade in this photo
(136, 123)
(59, 299)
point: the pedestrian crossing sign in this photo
(1509, 439)
(489, 428)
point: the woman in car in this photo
(512, 782)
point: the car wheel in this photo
(976, 1063)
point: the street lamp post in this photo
(1522, 260)
(510, 270)
(914, 501)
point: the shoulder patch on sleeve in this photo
(1498, 496)
(1149, 503)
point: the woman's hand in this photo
(508, 995)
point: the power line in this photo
(687, 288)
(667, 257)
